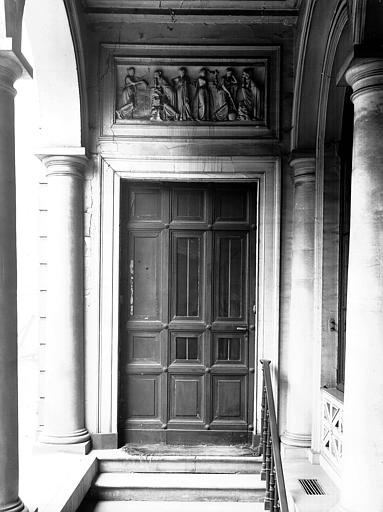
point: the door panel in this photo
(144, 348)
(230, 267)
(144, 275)
(229, 399)
(186, 348)
(186, 275)
(187, 334)
(186, 395)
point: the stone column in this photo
(9, 463)
(300, 341)
(362, 471)
(64, 422)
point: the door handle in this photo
(243, 329)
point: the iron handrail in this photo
(272, 470)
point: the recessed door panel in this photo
(186, 394)
(230, 276)
(187, 334)
(186, 284)
(144, 204)
(144, 275)
(144, 348)
(188, 204)
(143, 396)
(186, 348)
(231, 205)
(230, 349)
(229, 399)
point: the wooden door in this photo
(187, 291)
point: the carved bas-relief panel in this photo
(152, 90)
(191, 94)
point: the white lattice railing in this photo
(332, 427)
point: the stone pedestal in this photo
(300, 343)
(362, 467)
(9, 464)
(64, 423)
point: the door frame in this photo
(266, 172)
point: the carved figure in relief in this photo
(163, 99)
(182, 85)
(128, 98)
(194, 94)
(202, 96)
(225, 107)
(249, 98)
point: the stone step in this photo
(178, 487)
(171, 506)
(120, 462)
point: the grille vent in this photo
(312, 486)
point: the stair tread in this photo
(119, 455)
(175, 506)
(179, 481)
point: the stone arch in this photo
(328, 127)
(56, 73)
(316, 20)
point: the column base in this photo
(17, 506)
(295, 446)
(297, 440)
(77, 448)
(74, 437)
(77, 441)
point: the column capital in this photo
(65, 165)
(303, 166)
(10, 71)
(12, 67)
(365, 75)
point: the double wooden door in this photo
(187, 325)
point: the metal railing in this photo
(269, 448)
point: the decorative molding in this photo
(143, 91)
(264, 170)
